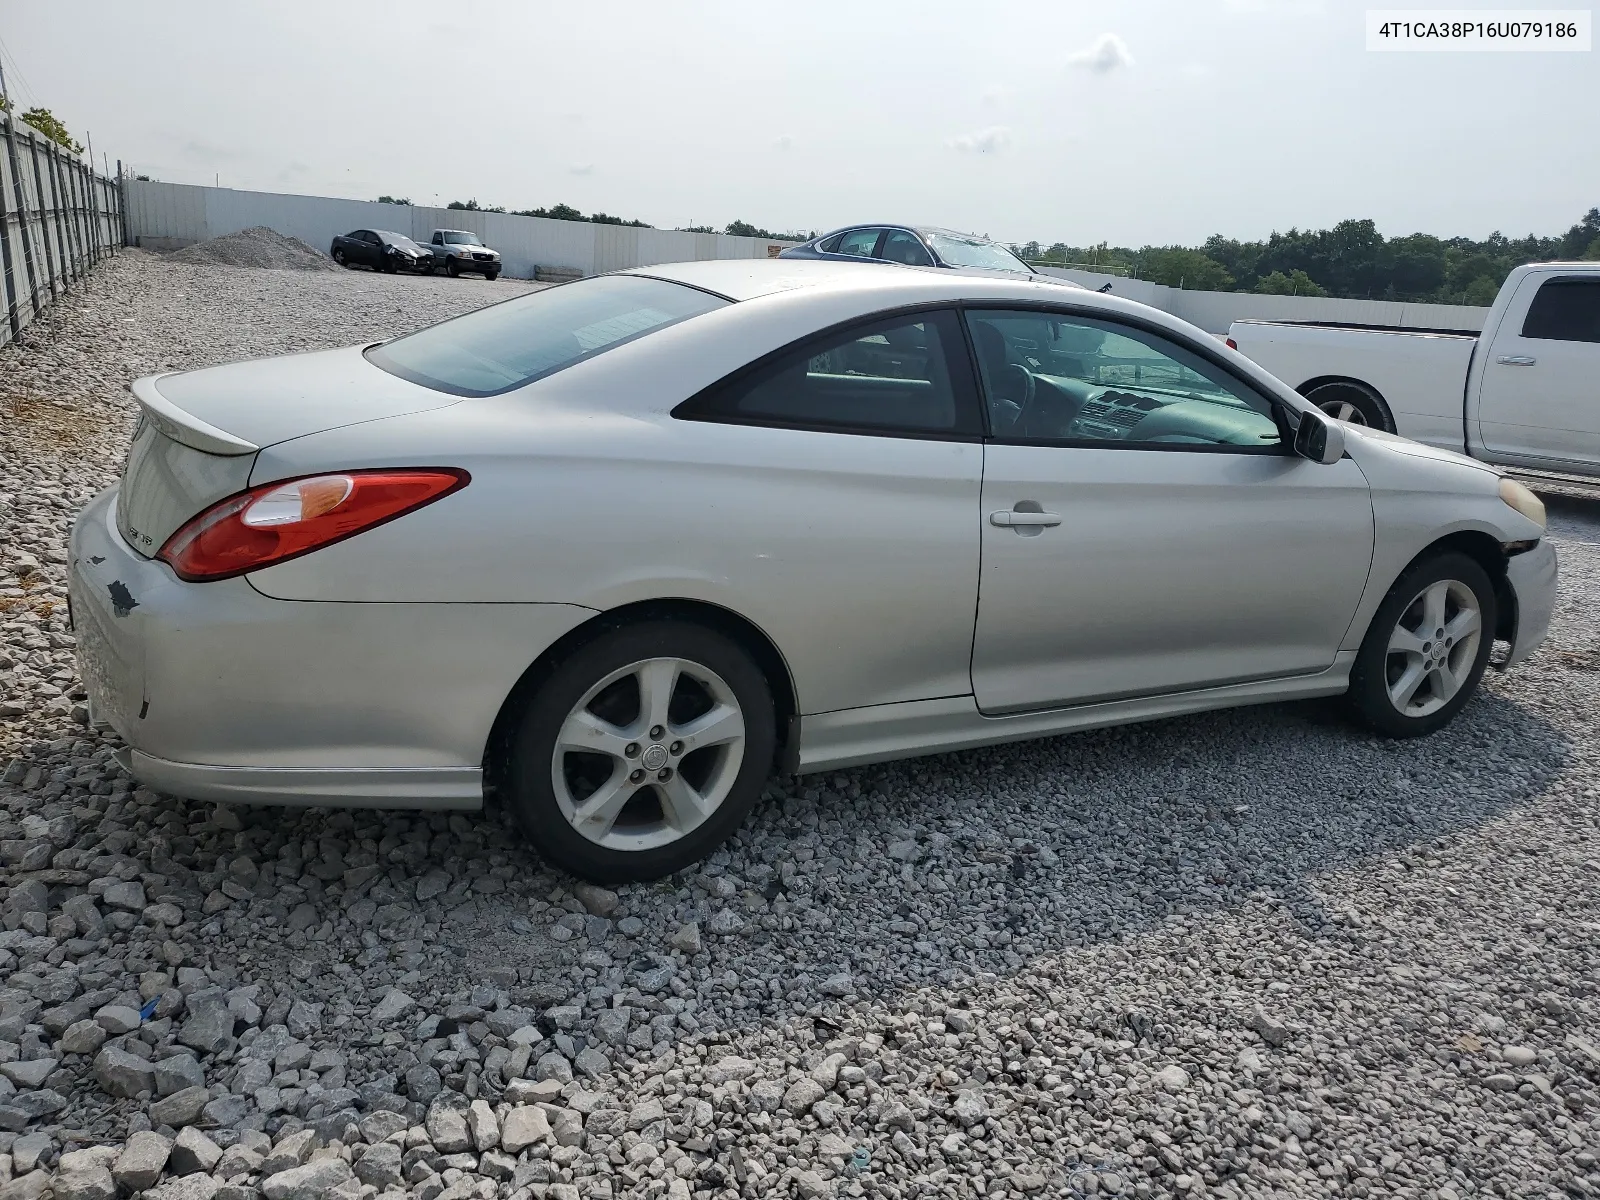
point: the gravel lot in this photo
(1246, 954)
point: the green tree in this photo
(48, 124)
(745, 229)
(1179, 266)
(1296, 283)
(394, 199)
(560, 212)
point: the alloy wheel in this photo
(648, 754)
(1432, 648)
(1343, 410)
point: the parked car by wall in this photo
(1520, 394)
(912, 246)
(382, 250)
(457, 250)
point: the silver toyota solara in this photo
(621, 549)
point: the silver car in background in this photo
(622, 548)
(915, 246)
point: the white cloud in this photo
(982, 141)
(1276, 8)
(581, 169)
(1107, 54)
(998, 93)
(783, 141)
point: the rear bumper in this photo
(222, 693)
(1532, 578)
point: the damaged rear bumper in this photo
(222, 693)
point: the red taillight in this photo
(279, 521)
(1230, 343)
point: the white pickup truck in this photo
(1524, 393)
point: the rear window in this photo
(511, 344)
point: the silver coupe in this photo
(622, 549)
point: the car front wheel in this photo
(1427, 647)
(642, 751)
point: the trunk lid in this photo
(199, 431)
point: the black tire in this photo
(528, 775)
(426, 269)
(491, 276)
(452, 270)
(1377, 666)
(338, 257)
(1354, 402)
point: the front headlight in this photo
(1523, 500)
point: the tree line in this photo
(1351, 260)
(566, 212)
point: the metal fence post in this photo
(13, 305)
(55, 212)
(122, 201)
(22, 216)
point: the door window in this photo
(1050, 377)
(895, 376)
(860, 242)
(1565, 310)
(902, 246)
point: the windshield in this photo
(462, 239)
(957, 251)
(508, 345)
(397, 239)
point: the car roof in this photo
(939, 229)
(749, 278)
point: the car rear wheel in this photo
(642, 752)
(1349, 401)
(1427, 647)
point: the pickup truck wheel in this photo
(1427, 647)
(491, 276)
(452, 270)
(1352, 402)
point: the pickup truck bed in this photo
(1524, 393)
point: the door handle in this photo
(1011, 519)
(1516, 360)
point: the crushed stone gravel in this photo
(257, 246)
(1249, 953)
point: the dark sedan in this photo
(913, 246)
(382, 250)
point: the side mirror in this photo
(1319, 438)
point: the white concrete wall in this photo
(175, 214)
(1215, 311)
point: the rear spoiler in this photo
(184, 427)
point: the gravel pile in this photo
(257, 246)
(1250, 953)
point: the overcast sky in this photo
(1134, 121)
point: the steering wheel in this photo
(1013, 385)
(1051, 409)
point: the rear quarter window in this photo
(1565, 310)
(509, 345)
